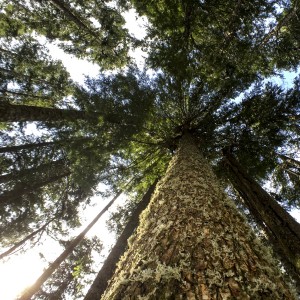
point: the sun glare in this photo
(22, 270)
(18, 273)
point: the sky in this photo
(22, 270)
(79, 68)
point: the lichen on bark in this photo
(192, 243)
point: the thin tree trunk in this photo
(101, 281)
(29, 292)
(283, 22)
(281, 228)
(23, 113)
(29, 146)
(192, 243)
(23, 241)
(63, 7)
(23, 189)
(43, 168)
(294, 174)
(291, 161)
(26, 146)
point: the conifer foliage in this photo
(209, 73)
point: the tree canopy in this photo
(209, 68)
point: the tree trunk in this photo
(70, 15)
(192, 243)
(69, 142)
(29, 292)
(291, 161)
(24, 240)
(292, 174)
(26, 188)
(23, 113)
(26, 146)
(32, 173)
(101, 281)
(281, 228)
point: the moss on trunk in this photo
(192, 243)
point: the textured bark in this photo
(101, 281)
(281, 228)
(192, 243)
(29, 292)
(23, 113)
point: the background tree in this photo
(282, 230)
(70, 278)
(30, 291)
(89, 29)
(29, 75)
(100, 283)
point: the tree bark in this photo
(29, 292)
(101, 281)
(192, 243)
(23, 113)
(281, 228)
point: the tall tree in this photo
(15, 148)
(193, 243)
(29, 75)
(281, 228)
(272, 130)
(44, 168)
